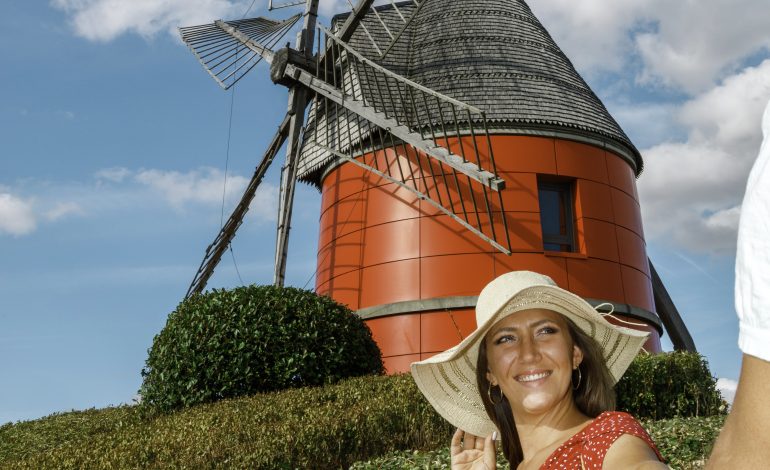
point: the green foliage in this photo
(334, 426)
(30, 438)
(230, 343)
(662, 386)
(684, 442)
(349, 423)
(419, 460)
(314, 427)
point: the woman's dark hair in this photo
(593, 396)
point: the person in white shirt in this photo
(745, 441)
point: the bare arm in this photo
(745, 441)
(631, 452)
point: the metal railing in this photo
(444, 144)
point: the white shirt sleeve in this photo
(752, 263)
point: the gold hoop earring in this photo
(489, 394)
(580, 378)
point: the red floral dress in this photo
(587, 448)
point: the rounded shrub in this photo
(668, 385)
(229, 343)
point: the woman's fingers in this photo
(490, 454)
(457, 442)
(480, 443)
(469, 451)
(462, 440)
(469, 441)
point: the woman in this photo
(538, 369)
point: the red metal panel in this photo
(594, 200)
(524, 229)
(441, 235)
(390, 282)
(632, 250)
(339, 257)
(389, 203)
(520, 193)
(638, 288)
(580, 161)
(621, 175)
(345, 289)
(396, 335)
(627, 212)
(442, 330)
(393, 241)
(342, 218)
(600, 239)
(524, 154)
(339, 184)
(595, 278)
(451, 275)
(552, 266)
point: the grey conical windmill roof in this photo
(497, 56)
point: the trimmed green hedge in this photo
(315, 427)
(231, 343)
(662, 386)
(685, 442)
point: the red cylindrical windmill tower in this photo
(570, 201)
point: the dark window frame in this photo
(566, 242)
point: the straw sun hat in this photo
(448, 379)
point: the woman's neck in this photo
(542, 431)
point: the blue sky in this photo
(114, 144)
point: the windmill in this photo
(413, 103)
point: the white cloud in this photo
(104, 20)
(731, 113)
(696, 44)
(684, 44)
(646, 123)
(691, 191)
(68, 115)
(583, 28)
(329, 8)
(727, 388)
(197, 186)
(679, 44)
(17, 216)
(202, 186)
(205, 185)
(726, 219)
(121, 189)
(63, 209)
(116, 174)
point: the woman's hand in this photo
(473, 453)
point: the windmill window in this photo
(557, 215)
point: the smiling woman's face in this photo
(530, 357)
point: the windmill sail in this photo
(362, 107)
(226, 55)
(222, 241)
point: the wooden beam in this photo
(669, 315)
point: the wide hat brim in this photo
(448, 379)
